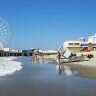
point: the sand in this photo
(91, 62)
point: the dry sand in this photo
(91, 62)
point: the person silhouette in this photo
(58, 56)
(58, 69)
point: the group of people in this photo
(89, 56)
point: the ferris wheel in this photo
(5, 33)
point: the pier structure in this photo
(30, 52)
(15, 53)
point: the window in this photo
(71, 44)
(76, 43)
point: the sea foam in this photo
(7, 66)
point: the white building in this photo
(82, 39)
(48, 51)
(72, 45)
(92, 39)
(77, 45)
(1, 46)
(6, 49)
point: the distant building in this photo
(92, 39)
(48, 51)
(90, 44)
(82, 39)
(1, 46)
(81, 44)
(72, 45)
(6, 49)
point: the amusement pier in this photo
(74, 46)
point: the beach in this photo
(90, 63)
(42, 79)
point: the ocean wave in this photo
(7, 58)
(8, 67)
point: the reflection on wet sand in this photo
(68, 69)
(60, 69)
(36, 60)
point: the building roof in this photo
(73, 41)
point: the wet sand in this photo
(42, 80)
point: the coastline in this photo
(88, 62)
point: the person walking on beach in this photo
(58, 56)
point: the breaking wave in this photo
(7, 66)
(7, 58)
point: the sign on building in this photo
(90, 46)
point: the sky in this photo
(46, 24)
